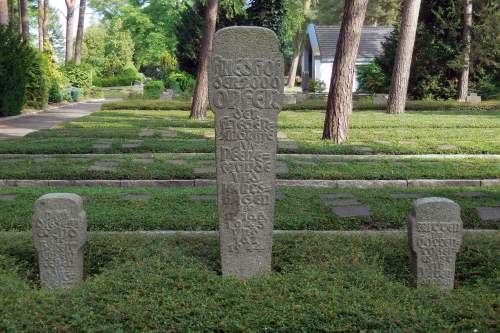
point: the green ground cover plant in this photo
(160, 166)
(371, 132)
(175, 209)
(318, 283)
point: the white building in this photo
(320, 46)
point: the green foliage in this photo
(189, 33)
(153, 89)
(79, 76)
(437, 57)
(119, 49)
(168, 63)
(37, 93)
(182, 83)
(55, 94)
(16, 58)
(94, 46)
(371, 78)
(317, 86)
(379, 12)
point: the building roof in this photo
(326, 36)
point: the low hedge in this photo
(153, 89)
(311, 104)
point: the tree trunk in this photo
(463, 88)
(23, 13)
(404, 52)
(45, 23)
(79, 32)
(299, 36)
(339, 103)
(199, 105)
(4, 12)
(40, 25)
(70, 11)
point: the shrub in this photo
(153, 89)
(181, 83)
(15, 57)
(129, 76)
(37, 93)
(55, 94)
(79, 76)
(372, 79)
(317, 86)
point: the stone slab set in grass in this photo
(489, 213)
(344, 204)
(59, 235)
(435, 235)
(246, 93)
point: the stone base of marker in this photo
(59, 235)
(435, 234)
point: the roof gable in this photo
(370, 45)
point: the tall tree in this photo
(70, 12)
(299, 37)
(339, 103)
(463, 87)
(46, 10)
(404, 52)
(40, 25)
(79, 32)
(4, 12)
(23, 13)
(199, 105)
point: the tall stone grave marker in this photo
(59, 234)
(246, 93)
(435, 234)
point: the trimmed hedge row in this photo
(311, 104)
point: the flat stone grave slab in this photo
(176, 162)
(101, 146)
(405, 195)
(147, 132)
(168, 133)
(407, 142)
(206, 162)
(11, 160)
(337, 163)
(352, 211)
(342, 202)
(203, 197)
(202, 171)
(282, 135)
(8, 197)
(489, 213)
(137, 197)
(209, 135)
(357, 143)
(288, 144)
(105, 141)
(132, 144)
(302, 162)
(143, 160)
(363, 149)
(447, 147)
(471, 194)
(280, 196)
(281, 167)
(104, 166)
(337, 195)
(43, 159)
(382, 142)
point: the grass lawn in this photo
(176, 209)
(179, 166)
(319, 283)
(370, 132)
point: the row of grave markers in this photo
(246, 94)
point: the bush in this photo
(55, 94)
(153, 89)
(129, 76)
(37, 93)
(79, 76)
(181, 83)
(15, 57)
(372, 79)
(72, 94)
(317, 86)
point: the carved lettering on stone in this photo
(59, 235)
(435, 235)
(246, 93)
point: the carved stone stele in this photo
(59, 235)
(246, 93)
(435, 235)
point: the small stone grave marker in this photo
(281, 167)
(246, 93)
(281, 135)
(147, 132)
(280, 196)
(131, 144)
(202, 171)
(435, 234)
(8, 197)
(143, 160)
(104, 166)
(473, 98)
(352, 211)
(489, 213)
(137, 197)
(97, 147)
(176, 162)
(59, 235)
(288, 145)
(380, 99)
(447, 147)
(169, 133)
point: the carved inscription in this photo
(435, 232)
(245, 91)
(59, 234)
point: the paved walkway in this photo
(21, 126)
